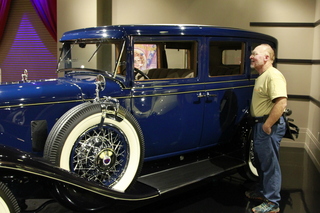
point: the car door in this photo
(228, 90)
(167, 105)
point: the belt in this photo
(263, 119)
(259, 119)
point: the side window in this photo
(165, 59)
(226, 58)
(145, 56)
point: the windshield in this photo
(98, 55)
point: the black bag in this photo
(291, 129)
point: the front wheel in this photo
(8, 202)
(108, 151)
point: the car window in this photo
(165, 60)
(226, 58)
(145, 56)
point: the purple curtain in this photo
(4, 12)
(47, 11)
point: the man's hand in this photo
(266, 129)
(279, 106)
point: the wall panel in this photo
(26, 44)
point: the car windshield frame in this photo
(70, 55)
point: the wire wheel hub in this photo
(105, 159)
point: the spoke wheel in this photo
(109, 153)
(100, 155)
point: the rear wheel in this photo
(250, 171)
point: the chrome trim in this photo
(139, 96)
(194, 91)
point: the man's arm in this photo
(276, 112)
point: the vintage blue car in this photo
(141, 110)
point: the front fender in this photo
(14, 159)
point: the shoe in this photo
(254, 195)
(266, 207)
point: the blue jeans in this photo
(266, 150)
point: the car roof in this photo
(120, 31)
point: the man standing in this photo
(269, 101)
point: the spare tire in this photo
(109, 151)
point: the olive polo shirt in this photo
(269, 85)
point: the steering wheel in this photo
(141, 73)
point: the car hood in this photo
(55, 90)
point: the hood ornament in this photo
(24, 76)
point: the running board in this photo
(174, 178)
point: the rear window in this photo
(226, 58)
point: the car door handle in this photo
(206, 95)
(202, 95)
(211, 95)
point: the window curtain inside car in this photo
(4, 12)
(47, 11)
